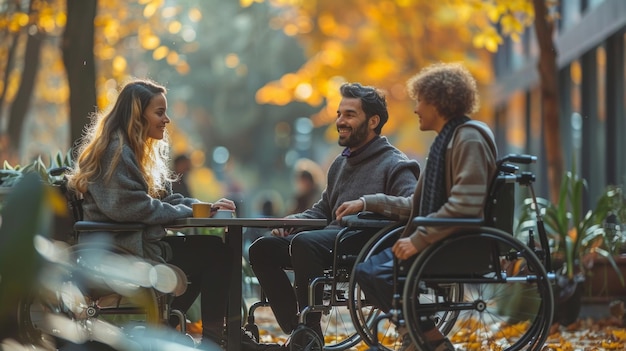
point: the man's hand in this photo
(349, 207)
(403, 248)
(281, 231)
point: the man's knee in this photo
(300, 245)
(269, 250)
(259, 250)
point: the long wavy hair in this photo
(124, 122)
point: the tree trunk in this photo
(5, 152)
(548, 77)
(78, 59)
(7, 69)
(19, 108)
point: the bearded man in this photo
(369, 164)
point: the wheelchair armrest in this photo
(439, 222)
(91, 226)
(366, 220)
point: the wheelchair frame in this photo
(335, 295)
(447, 294)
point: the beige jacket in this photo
(470, 167)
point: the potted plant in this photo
(10, 175)
(607, 262)
(579, 239)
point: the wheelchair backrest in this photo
(500, 202)
(74, 200)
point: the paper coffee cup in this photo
(201, 209)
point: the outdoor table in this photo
(233, 238)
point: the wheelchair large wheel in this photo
(337, 328)
(507, 296)
(364, 315)
(81, 299)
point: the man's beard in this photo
(357, 136)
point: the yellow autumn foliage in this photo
(356, 41)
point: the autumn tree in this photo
(24, 26)
(512, 18)
(384, 42)
(379, 43)
(212, 55)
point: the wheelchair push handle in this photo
(518, 158)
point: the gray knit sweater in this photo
(125, 199)
(379, 168)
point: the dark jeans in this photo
(308, 253)
(205, 259)
(375, 277)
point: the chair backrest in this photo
(500, 203)
(64, 225)
(499, 211)
(74, 200)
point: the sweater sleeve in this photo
(403, 178)
(124, 197)
(176, 198)
(473, 164)
(394, 207)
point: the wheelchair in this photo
(92, 292)
(481, 286)
(336, 323)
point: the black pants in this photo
(375, 277)
(308, 253)
(206, 260)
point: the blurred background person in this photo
(182, 167)
(308, 177)
(267, 204)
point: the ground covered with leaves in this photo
(589, 334)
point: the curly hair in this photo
(125, 122)
(450, 87)
(373, 101)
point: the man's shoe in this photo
(442, 345)
(408, 345)
(249, 343)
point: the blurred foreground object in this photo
(20, 218)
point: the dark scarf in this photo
(434, 189)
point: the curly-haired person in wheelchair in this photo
(460, 165)
(369, 164)
(122, 171)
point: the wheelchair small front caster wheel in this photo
(305, 339)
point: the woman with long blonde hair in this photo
(122, 172)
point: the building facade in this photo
(590, 38)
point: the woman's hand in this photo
(223, 204)
(349, 207)
(403, 248)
